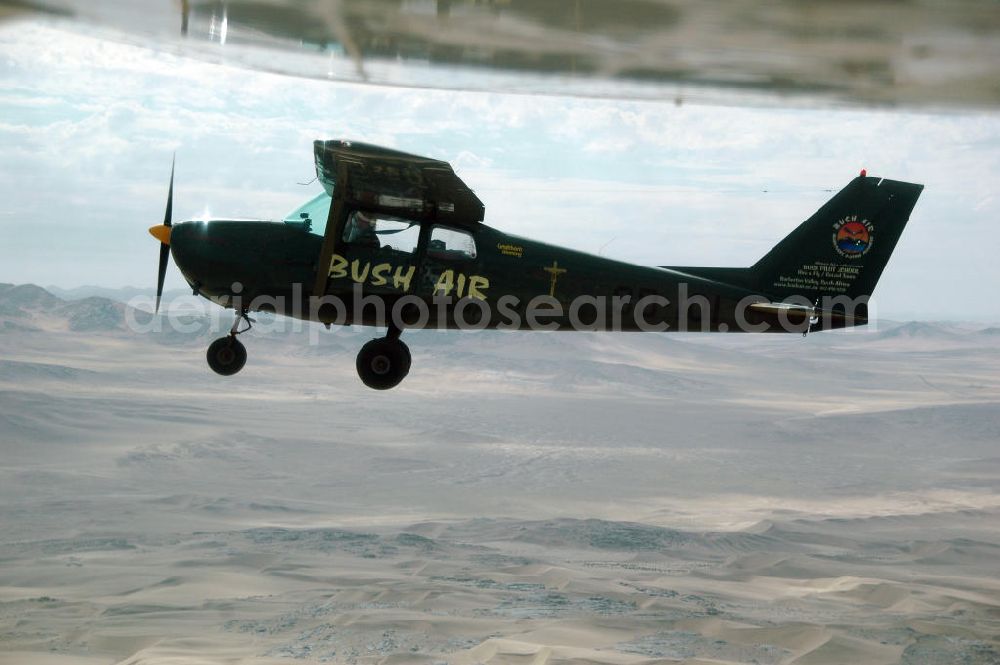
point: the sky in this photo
(88, 128)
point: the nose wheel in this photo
(227, 355)
(383, 363)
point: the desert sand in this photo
(521, 498)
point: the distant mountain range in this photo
(921, 330)
(99, 309)
(32, 307)
(123, 294)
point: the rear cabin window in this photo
(451, 244)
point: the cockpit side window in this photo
(369, 229)
(451, 244)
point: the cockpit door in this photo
(378, 252)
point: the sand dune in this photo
(520, 499)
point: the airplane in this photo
(398, 241)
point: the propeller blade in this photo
(164, 257)
(164, 247)
(169, 215)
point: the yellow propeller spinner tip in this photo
(161, 232)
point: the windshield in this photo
(311, 216)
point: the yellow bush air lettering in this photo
(445, 283)
(338, 266)
(477, 285)
(379, 273)
(356, 274)
(401, 280)
(448, 283)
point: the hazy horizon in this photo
(147, 295)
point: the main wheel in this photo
(383, 363)
(227, 355)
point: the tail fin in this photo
(843, 248)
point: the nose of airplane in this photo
(202, 252)
(213, 255)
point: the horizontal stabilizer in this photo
(796, 313)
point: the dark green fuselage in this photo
(274, 265)
(395, 229)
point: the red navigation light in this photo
(864, 172)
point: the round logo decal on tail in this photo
(853, 237)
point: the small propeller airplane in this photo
(396, 233)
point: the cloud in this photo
(88, 129)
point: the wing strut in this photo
(334, 229)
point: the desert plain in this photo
(520, 498)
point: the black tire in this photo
(409, 358)
(383, 363)
(227, 355)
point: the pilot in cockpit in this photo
(361, 230)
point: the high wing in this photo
(369, 177)
(818, 53)
(396, 183)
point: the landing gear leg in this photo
(394, 333)
(384, 362)
(227, 355)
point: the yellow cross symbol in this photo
(555, 271)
